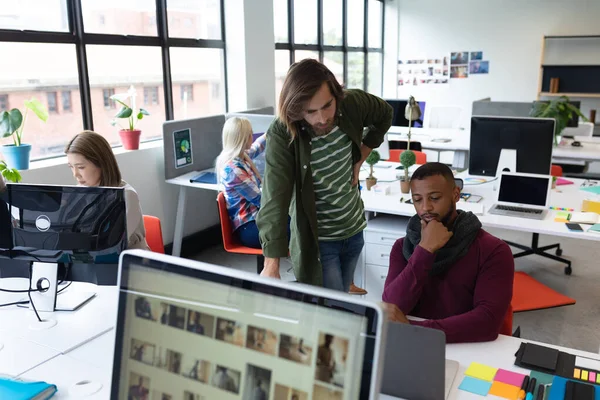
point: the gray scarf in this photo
(465, 229)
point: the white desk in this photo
(589, 150)
(184, 183)
(568, 196)
(93, 362)
(430, 138)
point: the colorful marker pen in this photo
(540, 393)
(523, 390)
(531, 389)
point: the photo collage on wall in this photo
(464, 63)
(327, 356)
(415, 72)
(427, 71)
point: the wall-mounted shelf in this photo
(574, 62)
(548, 94)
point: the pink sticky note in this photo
(592, 376)
(509, 377)
(562, 181)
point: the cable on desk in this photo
(16, 303)
(480, 183)
(61, 290)
(29, 293)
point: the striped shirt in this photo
(340, 210)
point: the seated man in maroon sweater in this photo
(447, 269)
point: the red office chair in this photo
(154, 234)
(421, 157)
(556, 170)
(230, 243)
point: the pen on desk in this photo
(540, 393)
(523, 390)
(531, 389)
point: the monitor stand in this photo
(45, 276)
(507, 162)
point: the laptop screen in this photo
(531, 190)
(198, 334)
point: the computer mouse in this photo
(576, 144)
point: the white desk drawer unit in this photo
(380, 235)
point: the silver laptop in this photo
(415, 364)
(523, 195)
(191, 330)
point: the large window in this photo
(346, 35)
(75, 54)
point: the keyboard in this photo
(519, 209)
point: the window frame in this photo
(320, 47)
(77, 36)
(66, 94)
(52, 94)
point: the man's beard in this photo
(324, 129)
(445, 220)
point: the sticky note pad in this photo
(592, 377)
(504, 390)
(576, 373)
(476, 386)
(481, 371)
(509, 377)
(584, 375)
(598, 379)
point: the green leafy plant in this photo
(408, 158)
(9, 174)
(560, 109)
(127, 111)
(372, 159)
(12, 122)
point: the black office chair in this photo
(402, 145)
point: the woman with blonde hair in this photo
(93, 163)
(240, 178)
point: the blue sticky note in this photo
(592, 189)
(474, 385)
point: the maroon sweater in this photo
(468, 302)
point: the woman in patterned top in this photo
(240, 178)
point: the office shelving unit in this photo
(575, 60)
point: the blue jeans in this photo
(339, 258)
(248, 235)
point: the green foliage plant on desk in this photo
(372, 159)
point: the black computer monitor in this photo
(399, 106)
(574, 121)
(62, 224)
(532, 138)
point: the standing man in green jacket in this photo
(314, 152)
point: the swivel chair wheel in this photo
(568, 270)
(559, 252)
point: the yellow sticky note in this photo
(504, 390)
(584, 375)
(481, 371)
(597, 378)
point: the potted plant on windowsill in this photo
(372, 159)
(130, 137)
(12, 124)
(561, 110)
(9, 174)
(408, 158)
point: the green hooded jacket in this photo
(288, 185)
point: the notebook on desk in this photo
(20, 390)
(205, 177)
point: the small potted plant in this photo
(12, 123)
(560, 109)
(9, 174)
(372, 159)
(130, 137)
(408, 158)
